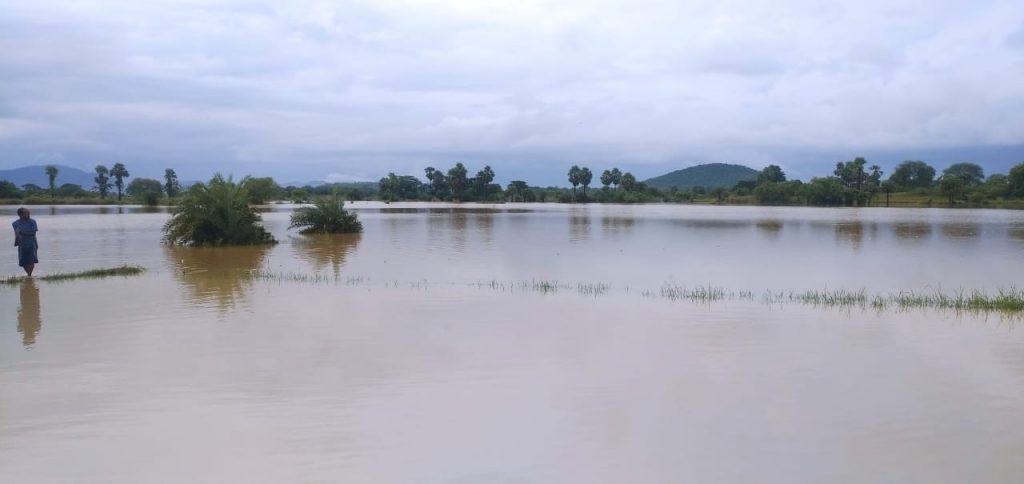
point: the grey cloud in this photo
(356, 88)
(1016, 39)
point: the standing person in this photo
(25, 240)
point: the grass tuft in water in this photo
(699, 293)
(122, 271)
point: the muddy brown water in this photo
(409, 353)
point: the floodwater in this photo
(418, 352)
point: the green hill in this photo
(708, 176)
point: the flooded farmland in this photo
(517, 343)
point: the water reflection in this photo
(854, 233)
(769, 228)
(912, 231)
(217, 275)
(579, 225)
(447, 210)
(613, 225)
(964, 230)
(485, 227)
(1017, 232)
(323, 251)
(712, 223)
(456, 224)
(29, 321)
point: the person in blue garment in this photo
(25, 240)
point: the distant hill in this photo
(37, 175)
(303, 184)
(708, 176)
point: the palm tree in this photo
(574, 179)
(217, 213)
(606, 178)
(326, 216)
(585, 177)
(102, 181)
(171, 186)
(616, 177)
(119, 172)
(51, 174)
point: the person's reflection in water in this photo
(29, 322)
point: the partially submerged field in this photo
(700, 343)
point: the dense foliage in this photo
(852, 183)
(216, 213)
(326, 216)
(146, 190)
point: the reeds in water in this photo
(122, 271)
(1005, 301)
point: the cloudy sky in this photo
(349, 90)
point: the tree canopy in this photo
(913, 174)
(970, 173)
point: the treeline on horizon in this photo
(852, 183)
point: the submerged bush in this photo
(217, 213)
(326, 216)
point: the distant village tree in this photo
(102, 180)
(51, 175)
(171, 186)
(119, 172)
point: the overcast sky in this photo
(347, 90)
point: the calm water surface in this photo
(419, 358)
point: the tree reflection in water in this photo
(962, 230)
(769, 228)
(855, 232)
(912, 231)
(217, 275)
(579, 225)
(326, 250)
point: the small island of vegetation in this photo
(326, 216)
(216, 213)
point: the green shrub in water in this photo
(326, 216)
(216, 213)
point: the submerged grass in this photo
(122, 271)
(1005, 301)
